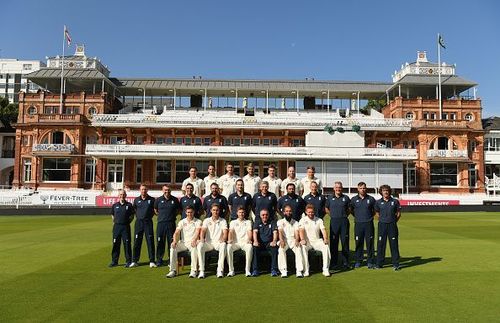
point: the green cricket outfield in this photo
(54, 269)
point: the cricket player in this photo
(198, 183)
(273, 180)
(191, 200)
(166, 207)
(310, 228)
(363, 209)
(239, 198)
(185, 238)
(251, 181)
(337, 206)
(289, 239)
(213, 237)
(265, 238)
(210, 178)
(215, 198)
(291, 178)
(295, 201)
(317, 199)
(310, 177)
(264, 200)
(122, 214)
(388, 211)
(144, 210)
(240, 238)
(227, 182)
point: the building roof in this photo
(50, 73)
(492, 123)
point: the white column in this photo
(175, 98)
(205, 107)
(267, 100)
(328, 101)
(297, 102)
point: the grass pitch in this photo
(55, 269)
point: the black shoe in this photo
(396, 268)
(159, 263)
(113, 264)
(127, 265)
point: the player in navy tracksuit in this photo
(239, 198)
(388, 212)
(144, 211)
(190, 200)
(122, 213)
(265, 238)
(317, 199)
(338, 207)
(264, 200)
(167, 207)
(295, 201)
(215, 198)
(363, 209)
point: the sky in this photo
(259, 39)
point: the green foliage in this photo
(8, 112)
(374, 104)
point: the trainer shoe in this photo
(171, 274)
(152, 265)
(248, 274)
(357, 265)
(306, 273)
(192, 274)
(201, 275)
(113, 264)
(326, 273)
(377, 267)
(255, 273)
(128, 265)
(220, 274)
(369, 266)
(396, 268)
(230, 274)
(299, 275)
(134, 264)
(284, 274)
(274, 273)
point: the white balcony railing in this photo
(64, 148)
(442, 153)
(492, 157)
(229, 119)
(274, 152)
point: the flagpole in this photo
(439, 78)
(62, 71)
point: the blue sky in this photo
(258, 39)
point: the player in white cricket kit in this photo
(273, 180)
(291, 178)
(189, 231)
(310, 227)
(213, 237)
(210, 178)
(251, 181)
(310, 177)
(240, 238)
(198, 183)
(227, 182)
(288, 230)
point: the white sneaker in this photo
(326, 273)
(248, 274)
(192, 274)
(220, 274)
(201, 275)
(306, 273)
(230, 274)
(152, 265)
(284, 274)
(171, 274)
(299, 274)
(134, 264)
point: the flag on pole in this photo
(441, 41)
(66, 34)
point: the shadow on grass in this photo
(407, 262)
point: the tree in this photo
(8, 112)
(374, 104)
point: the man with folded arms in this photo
(185, 238)
(240, 238)
(213, 237)
(310, 228)
(288, 230)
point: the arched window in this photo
(56, 137)
(444, 143)
(31, 110)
